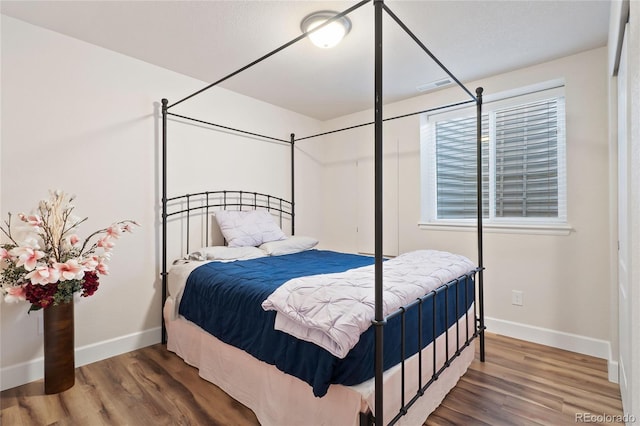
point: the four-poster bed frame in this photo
(380, 320)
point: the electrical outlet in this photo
(516, 297)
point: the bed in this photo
(409, 349)
(216, 320)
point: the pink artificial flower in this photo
(73, 239)
(43, 275)
(105, 243)
(129, 227)
(27, 256)
(15, 294)
(102, 268)
(90, 263)
(70, 270)
(4, 254)
(33, 220)
(114, 231)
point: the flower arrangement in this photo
(49, 263)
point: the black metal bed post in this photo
(378, 135)
(293, 186)
(165, 102)
(479, 91)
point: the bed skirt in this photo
(279, 399)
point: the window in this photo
(523, 162)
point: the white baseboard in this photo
(557, 339)
(26, 372)
(19, 374)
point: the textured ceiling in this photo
(210, 39)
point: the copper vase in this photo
(59, 356)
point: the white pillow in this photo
(293, 244)
(248, 228)
(217, 239)
(226, 253)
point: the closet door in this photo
(624, 182)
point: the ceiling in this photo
(208, 40)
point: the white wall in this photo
(84, 119)
(565, 279)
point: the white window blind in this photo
(526, 160)
(523, 159)
(456, 168)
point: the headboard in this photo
(194, 213)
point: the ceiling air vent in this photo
(434, 85)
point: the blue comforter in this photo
(225, 300)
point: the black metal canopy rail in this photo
(380, 320)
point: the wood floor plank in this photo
(521, 383)
(445, 416)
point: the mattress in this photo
(224, 300)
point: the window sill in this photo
(501, 228)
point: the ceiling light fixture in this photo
(329, 35)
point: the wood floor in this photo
(519, 384)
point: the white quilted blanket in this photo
(333, 310)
